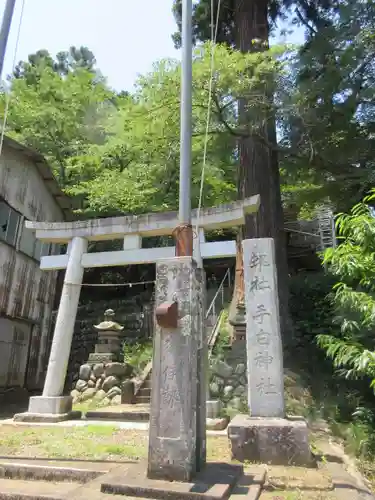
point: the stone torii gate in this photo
(52, 405)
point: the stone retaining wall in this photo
(106, 383)
(228, 377)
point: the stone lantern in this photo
(110, 336)
(238, 322)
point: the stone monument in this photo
(177, 443)
(105, 377)
(110, 335)
(238, 322)
(265, 435)
(176, 467)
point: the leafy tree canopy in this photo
(307, 12)
(64, 63)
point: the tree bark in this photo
(258, 163)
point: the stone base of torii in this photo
(177, 435)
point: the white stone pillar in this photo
(52, 406)
(66, 317)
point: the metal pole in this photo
(5, 29)
(184, 246)
(186, 110)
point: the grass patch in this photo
(297, 495)
(92, 442)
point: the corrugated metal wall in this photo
(26, 292)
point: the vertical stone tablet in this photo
(177, 436)
(264, 347)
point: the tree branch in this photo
(305, 22)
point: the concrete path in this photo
(141, 426)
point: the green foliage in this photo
(223, 339)
(119, 153)
(350, 343)
(353, 262)
(326, 118)
(64, 63)
(137, 355)
(59, 116)
(305, 12)
(136, 168)
(321, 391)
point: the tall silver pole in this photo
(186, 112)
(5, 29)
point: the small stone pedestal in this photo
(213, 408)
(217, 481)
(276, 441)
(49, 410)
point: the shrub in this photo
(353, 263)
(138, 354)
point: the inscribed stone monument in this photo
(265, 435)
(264, 349)
(177, 440)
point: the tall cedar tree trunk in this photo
(258, 170)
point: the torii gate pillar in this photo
(52, 405)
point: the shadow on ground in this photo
(14, 401)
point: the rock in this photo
(88, 394)
(214, 389)
(217, 424)
(93, 378)
(81, 385)
(85, 372)
(239, 391)
(115, 391)
(219, 382)
(222, 369)
(110, 382)
(237, 403)
(127, 392)
(99, 383)
(100, 395)
(105, 402)
(76, 395)
(98, 370)
(228, 391)
(240, 369)
(90, 384)
(117, 369)
(116, 400)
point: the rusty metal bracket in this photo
(184, 235)
(167, 315)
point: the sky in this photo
(126, 36)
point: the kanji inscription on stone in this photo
(264, 349)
